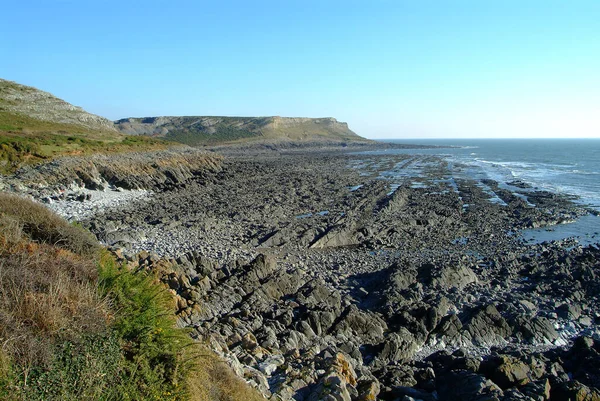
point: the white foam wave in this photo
(582, 172)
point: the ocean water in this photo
(566, 166)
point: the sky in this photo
(389, 68)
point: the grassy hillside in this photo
(227, 129)
(203, 130)
(25, 140)
(36, 126)
(30, 101)
(76, 325)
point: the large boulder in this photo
(487, 327)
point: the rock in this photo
(330, 388)
(538, 330)
(270, 364)
(448, 332)
(447, 277)
(467, 386)
(569, 311)
(338, 382)
(249, 342)
(487, 327)
(399, 346)
(574, 391)
(256, 378)
(408, 393)
(261, 267)
(366, 325)
(368, 390)
(511, 372)
(538, 390)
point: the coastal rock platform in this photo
(328, 275)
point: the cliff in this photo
(211, 130)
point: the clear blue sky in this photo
(445, 68)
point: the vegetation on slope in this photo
(30, 101)
(26, 140)
(76, 325)
(224, 132)
(208, 130)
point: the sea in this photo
(566, 166)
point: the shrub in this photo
(156, 364)
(85, 369)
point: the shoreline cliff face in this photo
(199, 130)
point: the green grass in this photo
(155, 361)
(225, 133)
(25, 140)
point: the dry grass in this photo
(22, 216)
(46, 294)
(215, 381)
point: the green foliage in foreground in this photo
(129, 351)
(84, 370)
(156, 357)
(141, 356)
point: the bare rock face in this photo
(141, 170)
(44, 106)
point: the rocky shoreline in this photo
(318, 278)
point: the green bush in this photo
(156, 362)
(84, 370)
